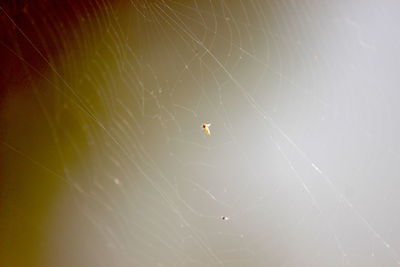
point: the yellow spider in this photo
(206, 127)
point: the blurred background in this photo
(103, 161)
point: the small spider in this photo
(206, 128)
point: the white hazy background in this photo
(303, 157)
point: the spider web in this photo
(106, 163)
